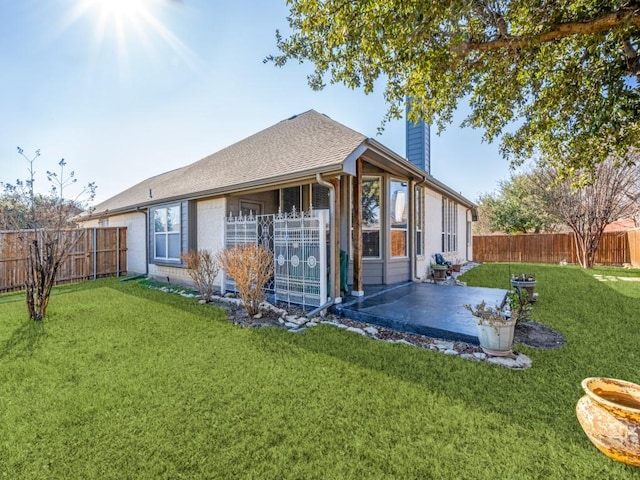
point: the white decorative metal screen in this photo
(298, 242)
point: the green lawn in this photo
(126, 382)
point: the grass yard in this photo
(126, 382)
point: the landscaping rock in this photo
(258, 315)
(359, 331)
(442, 345)
(480, 355)
(291, 325)
(311, 324)
(296, 330)
(373, 331)
(503, 362)
(469, 356)
(523, 361)
(202, 302)
(451, 352)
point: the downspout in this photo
(332, 236)
(146, 238)
(468, 233)
(412, 230)
(319, 309)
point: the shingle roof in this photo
(303, 143)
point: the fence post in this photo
(95, 253)
(117, 252)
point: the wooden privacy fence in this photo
(97, 252)
(615, 248)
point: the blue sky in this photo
(126, 96)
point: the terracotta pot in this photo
(610, 416)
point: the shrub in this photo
(251, 267)
(203, 269)
(519, 304)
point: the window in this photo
(319, 197)
(166, 233)
(371, 217)
(449, 225)
(291, 197)
(398, 213)
(419, 220)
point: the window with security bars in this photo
(449, 225)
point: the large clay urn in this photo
(610, 416)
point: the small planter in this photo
(609, 414)
(456, 267)
(439, 271)
(525, 283)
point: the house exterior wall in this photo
(136, 226)
(209, 231)
(433, 233)
(211, 227)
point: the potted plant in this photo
(439, 272)
(526, 282)
(457, 264)
(495, 329)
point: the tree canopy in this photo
(517, 207)
(612, 195)
(557, 80)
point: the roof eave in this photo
(273, 183)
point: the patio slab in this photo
(424, 308)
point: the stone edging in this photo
(298, 324)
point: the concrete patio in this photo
(424, 308)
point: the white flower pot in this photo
(496, 339)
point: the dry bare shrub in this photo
(203, 269)
(251, 267)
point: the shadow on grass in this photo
(135, 289)
(24, 340)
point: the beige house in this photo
(388, 215)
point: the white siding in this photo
(433, 233)
(211, 222)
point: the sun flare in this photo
(130, 25)
(123, 9)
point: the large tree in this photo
(610, 195)
(559, 79)
(516, 207)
